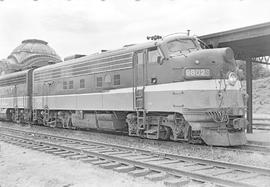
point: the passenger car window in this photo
(116, 79)
(65, 85)
(140, 57)
(99, 82)
(70, 84)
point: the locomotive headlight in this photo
(232, 78)
(229, 55)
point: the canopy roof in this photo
(251, 41)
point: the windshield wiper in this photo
(178, 53)
(189, 49)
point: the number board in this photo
(191, 73)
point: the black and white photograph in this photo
(134, 93)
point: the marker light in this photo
(232, 78)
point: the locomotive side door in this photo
(158, 72)
(15, 104)
(45, 102)
(139, 79)
(15, 98)
(45, 92)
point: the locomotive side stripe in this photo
(213, 84)
(202, 85)
(9, 102)
(165, 97)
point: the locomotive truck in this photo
(174, 88)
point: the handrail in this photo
(261, 121)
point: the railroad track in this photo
(251, 147)
(171, 169)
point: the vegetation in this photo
(258, 70)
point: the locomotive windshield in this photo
(180, 45)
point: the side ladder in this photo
(15, 104)
(140, 110)
(16, 114)
(46, 115)
(35, 115)
(153, 127)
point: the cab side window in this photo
(140, 57)
(153, 54)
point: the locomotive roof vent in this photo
(73, 57)
(178, 34)
(129, 45)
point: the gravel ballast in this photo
(180, 148)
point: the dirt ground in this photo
(20, 167)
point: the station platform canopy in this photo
(246, 42)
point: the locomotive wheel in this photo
(165, 133)
(12, 117)
(189, 134)
(183, 136)
(70, 125)
(45, 122)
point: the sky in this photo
(88, 26)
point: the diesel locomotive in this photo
(173, 88)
